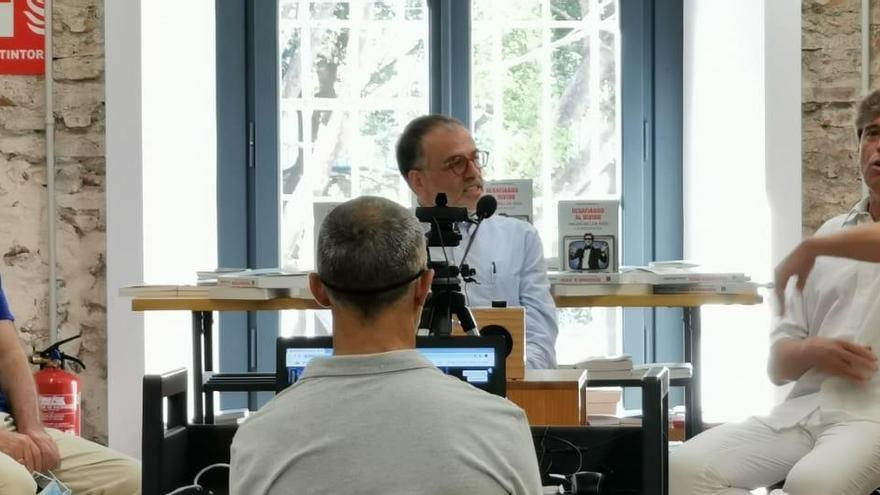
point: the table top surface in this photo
(281, 303)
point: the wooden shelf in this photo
(203, 304)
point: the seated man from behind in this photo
(825, 437)
(27, 446)
(377, 417)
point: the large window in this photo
(545, 101)
(560, 92)
(352, 75)
(544, 85)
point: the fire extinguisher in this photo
(58, 390)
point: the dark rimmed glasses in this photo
(458, 163)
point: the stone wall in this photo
(831, 88)
(79, 192)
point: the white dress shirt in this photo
(509, 259)
(841, 300)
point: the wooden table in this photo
(205, 380)
(202, 309)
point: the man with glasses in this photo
(436, 154)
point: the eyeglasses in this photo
(458, 163)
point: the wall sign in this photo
(22, 26)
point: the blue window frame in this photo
(248, 165)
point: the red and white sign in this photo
(22, 26)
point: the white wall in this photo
(125, 329)
(741, 176)
(161, 186)
(180, 163)
(782, 30)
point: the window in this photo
(560, 92)
(545, 101)
(352, 75)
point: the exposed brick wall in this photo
(80, 159)
(831, 37)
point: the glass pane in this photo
(329, 64)
(352, 75)
(324, 11)
(381, 11)
(546, 105)
(288, 10)
(569, 10)
(507, 10)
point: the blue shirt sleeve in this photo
(5, 314)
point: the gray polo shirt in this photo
(384, 423)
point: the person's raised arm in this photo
(860, 243)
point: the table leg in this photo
(693, 392)
(208, 332)
(655, 427)
(198, 416)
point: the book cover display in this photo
(514, 197)
(588, 234)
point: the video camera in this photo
(446, 298)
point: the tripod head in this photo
(446, 297)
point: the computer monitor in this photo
(479, 361)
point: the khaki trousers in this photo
(86, 468)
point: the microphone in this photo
(486, 207)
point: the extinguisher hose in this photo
(68, 357)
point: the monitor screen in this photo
(475, 360)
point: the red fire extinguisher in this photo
(58, 390)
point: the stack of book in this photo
(571, 283)
(164, 291)
(262, 283)
(656, 278)
(603, 400)
(258, 284)
(680, 277)
(594, 364)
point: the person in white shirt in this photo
(825, 437)
(436, 154)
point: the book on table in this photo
(602, 363)
(589, 231)
(249, 293)
(602, 289)
(265, 278)
(708, 288)
(163, 291)
(660, 274)
(514, 197)
(676, 371)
